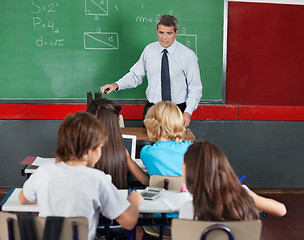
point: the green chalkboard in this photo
(60, 49)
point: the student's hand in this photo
(128, 218)
(135, 198)
(186, 118)
(108, 88)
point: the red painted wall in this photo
(134, 112)
(265, 54)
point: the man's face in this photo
(166, 35)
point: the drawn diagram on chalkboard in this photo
(100, 40)
(188, 40)
(96, 7)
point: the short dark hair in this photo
(77, 133)
(168, 21)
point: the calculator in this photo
(151, 193)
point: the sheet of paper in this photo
(39, 161)
(177, 201)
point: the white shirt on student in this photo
(74, 191)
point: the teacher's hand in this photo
(108, 88)
(186, 118)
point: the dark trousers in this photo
(182, 107)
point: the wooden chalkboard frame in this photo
(138, 101)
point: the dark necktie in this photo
(165, 78)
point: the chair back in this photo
(68, 227)
(190, 229)
(175, 183)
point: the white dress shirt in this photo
(185, 78)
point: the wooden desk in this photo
(141, 133)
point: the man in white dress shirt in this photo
(185, 82)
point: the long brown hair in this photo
(217, 193)
(113, 160)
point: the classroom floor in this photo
(289, 227)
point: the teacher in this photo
(171, 69)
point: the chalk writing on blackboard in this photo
(145, 19)
(93, 7)
(44, 25)
(49, 24)
(49, 8)
(55, 42)
(101, 40)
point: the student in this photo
(217, 193)
(115, 158)
(164, 123)
(71, 187)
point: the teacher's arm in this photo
(194, 86)
(131, 80)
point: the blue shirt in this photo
(185, 77)
(164, 157)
